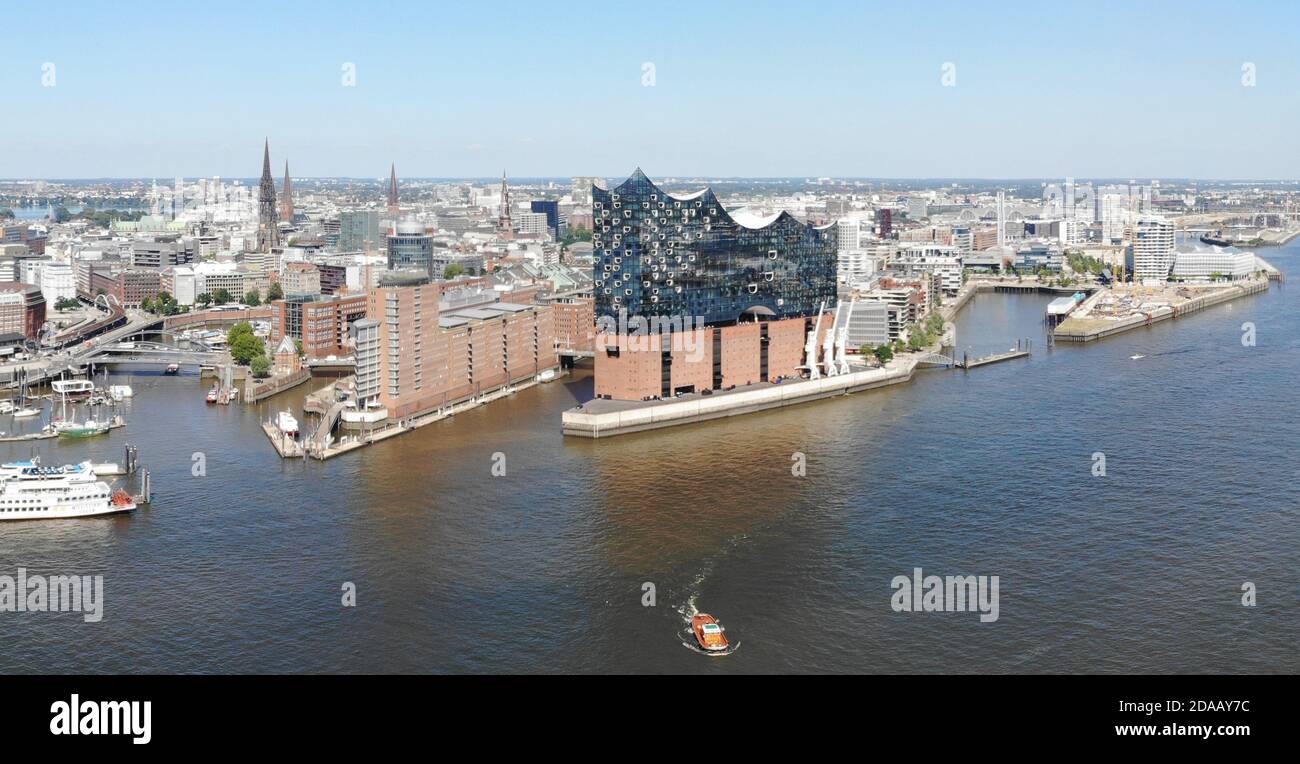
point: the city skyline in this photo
(837, 90)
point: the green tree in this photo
(239, 330)
(221, 296)
(274, 292)
(260, 367)
(203, 300)
(245, 348)
(453, 270)
(884, 354)
(252, 298)
(147, 305)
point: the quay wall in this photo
(703, 408)
(1065, 333)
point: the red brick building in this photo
(22, 309)
(644, 366)
(429, 358)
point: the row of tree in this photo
(166, 305)
(919, 336)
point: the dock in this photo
(975, 363)
(46, 435)
(285, 446)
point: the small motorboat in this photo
(26, 412)
(708, 632)
(214, 393)
(1136, 357)
(173, 368)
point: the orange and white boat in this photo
(708, 632)
(212, 394)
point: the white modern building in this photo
(941, 260)
(1203, 265)
(1153, 250)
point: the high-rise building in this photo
(554, 220)
(885, 222)
(410, 248)
(1153, 250)
(268, 228)
(848, 235)
(359, 231)
(689, 297)
(1002, 218)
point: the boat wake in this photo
(688, 641)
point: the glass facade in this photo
(662, 255)
(411, 251)
(359, 231)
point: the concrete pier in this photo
(605, 418)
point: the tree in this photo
(203, 300)
(221, 296)
(245, 348)
(297, 346)
(252, 298)
(67, 303)
(884, 354)
(146, 305)
(453, 270)
(239, 330)
(274, 292)
(260, 367)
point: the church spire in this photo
(286, 196)
(392, 190)
(268, 228)
(507, 228)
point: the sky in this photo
(714, 89)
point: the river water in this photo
(240, 568)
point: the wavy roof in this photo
(743, 218)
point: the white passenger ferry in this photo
(29, 491)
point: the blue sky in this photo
(1089, 89)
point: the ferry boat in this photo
(43, 493)
(708, 632)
